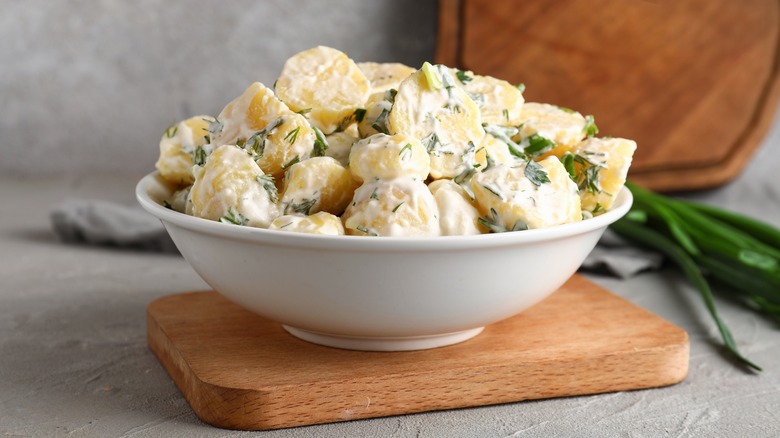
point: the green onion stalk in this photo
(709, 244)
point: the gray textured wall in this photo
(89, 86)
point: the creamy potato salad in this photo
(370, 149)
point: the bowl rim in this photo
(621, 206)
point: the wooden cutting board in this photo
(240, 371)
(695, 82)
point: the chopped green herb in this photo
(493, 190)
(463, 77)
(390, 95)
(374, 194)
(295, 160)
(365, 230)
(590, 129)
(479, 99)
(431, 142)
(255, 145)
(304, 111)
(432, 76)
(520, 87)
(215, 126)
(538, 145)
(586, 175)
(504, 134)
(292, 135)
(359, 114)
(598, 209)
(171, 130)
(320, 143)
(406, 152)
(267, 181)
(199, 156)
(505, 112)
(398, 206)
(304, 207)
(233, 217)
(536, 173)
(380, 123)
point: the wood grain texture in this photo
(694, 82)
(240, 371)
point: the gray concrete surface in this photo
(89, 86)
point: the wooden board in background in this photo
(694, 82)
(240, 371)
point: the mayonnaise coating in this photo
(509, 200)
(457, 214)
(178, 147)
(317, 184)
(384, 156)
(317, 223)
(400, 207)
(231, 188)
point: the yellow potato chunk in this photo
(492, 151)
(325, 82)
(263, 125)
(231, 188)
(317, 184)
(457, 214)
(177, 147)
(431, 107)
(566, 128)
(609, 160)
(318, 223)
(340, 145)
(499, 101)
(389, 156)
(397, 207)
(510, 200)
(384, 76)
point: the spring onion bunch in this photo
(709, 243)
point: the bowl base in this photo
(402, 343)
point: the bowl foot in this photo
(384, 343)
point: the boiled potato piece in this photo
(178, 147)
(318, 223)
(397, 207)
(431, 107)
(340, 145)
(263, 125)
(499, 101)
(317, 184)
(325, 82)
(564, 127)
(457, 214)
(389, 156)
(510, 200)
(492, 151)
(231, 188)
(384, 76)
(604, 162)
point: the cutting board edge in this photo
(269, 407)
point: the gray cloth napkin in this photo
(106, 223)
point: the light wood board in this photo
(696, 82)
(240, 371)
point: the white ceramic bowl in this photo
(379, 293)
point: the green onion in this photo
(709, 243)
